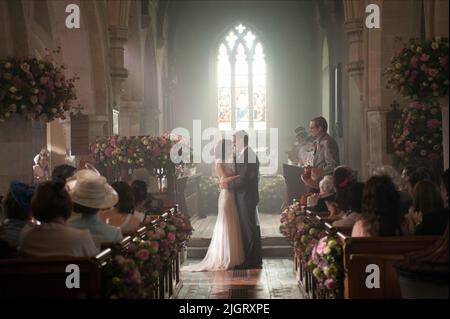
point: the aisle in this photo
(270, 226)
(275, 281)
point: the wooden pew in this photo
(120, 247)
(358, 252)
(46, 277)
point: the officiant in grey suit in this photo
(246, 192)
(325, 148)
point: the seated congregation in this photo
(78, 218)
(344, 226)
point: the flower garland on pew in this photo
(320, 253)
(326, 265)
(134, 274)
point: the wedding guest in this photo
(17, 206)
(121, 215)
(428, 203)
(42, 153)
(405, 184)
(140, 196)
(348, 197)
(52, 206)
(381, 216)
(41, 170)
(300, 152)
(405, 197)
(63, 172)
(316, 201)
(348, 190)
(420, 174)
(325, 148)
(90, 192)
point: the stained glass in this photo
(240, 50)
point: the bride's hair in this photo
(223, 150)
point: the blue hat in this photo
(22, 194)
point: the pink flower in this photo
(321, 245)
(330, 283)
(444, 61)
(424, 57)
(25, 67)
(142, 254)
(433, 72)
(154, 245)
(434, 86)
(433, 123)
(417, 105)
(109, 150)
(171, 236)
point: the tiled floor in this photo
(269, 223)
(275, 281)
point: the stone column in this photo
(355, 131)
(130, 118)
(118, 36)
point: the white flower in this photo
(12, 89)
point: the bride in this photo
(225, 250)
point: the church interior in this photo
(112, 180)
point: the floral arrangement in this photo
(171, 235)
(146, 255)
(134, 274)
(291, 221)
(34, 89)
(135, 152)
(122, 279)
(325, 263)
(417, 137)
(272, 193)
(184, 229)
(420, 70)
(321, 253)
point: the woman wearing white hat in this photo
(90, 193)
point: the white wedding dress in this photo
(225, 250)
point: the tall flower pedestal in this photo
(18, 144)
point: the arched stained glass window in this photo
(241, 81)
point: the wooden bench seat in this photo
(38, 277)
(385, 252)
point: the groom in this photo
(245, 188)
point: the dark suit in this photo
(247, 198)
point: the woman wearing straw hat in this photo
(90, 193)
